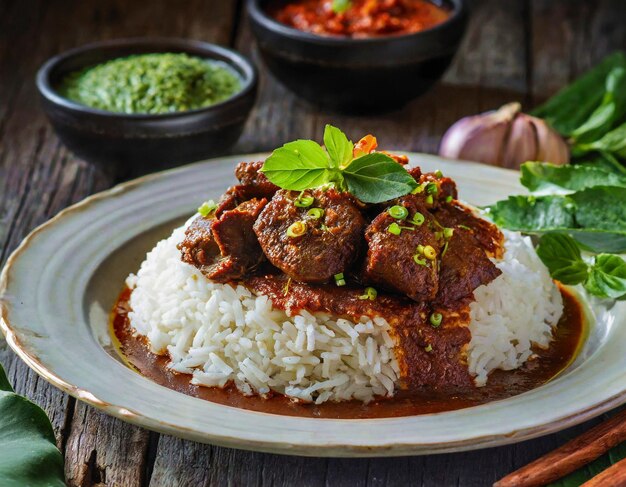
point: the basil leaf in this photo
(607, 277)
(376, 177)
(611, 109)
(542, 176)
(561, 256)
(594, 217)
(613, 142)
(572, 106)
(29, 455)
(299, 165)
(602, 160)
(338, 146)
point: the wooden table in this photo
(514, 50)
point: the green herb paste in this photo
(152, 83)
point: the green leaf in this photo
(572, 106)
(562, 257)
(613, 142)
(607, 277)
(340, 6)
(376, 177)
(299, 165)
(29, 455)
(543, 176)
(611, 109)
(594, 217)
(338, 146)
(601, 160)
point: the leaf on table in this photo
(595, 217)
(572, 106)
(610, 111)
(29, 456)
(538, 176)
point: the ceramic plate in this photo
(59, 285)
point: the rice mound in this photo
(513, 312)
(220, 333)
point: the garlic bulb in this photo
(505, 137)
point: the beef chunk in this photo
(390, 264)
(254, 184)
(486, 235)
(330, 244)
(464, 267)
(224, 248)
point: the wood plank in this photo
(39, 177)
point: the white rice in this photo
(512, 313)
(221, 333)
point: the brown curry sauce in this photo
(548, 363)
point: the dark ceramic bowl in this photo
(357, 75)
(144, 142)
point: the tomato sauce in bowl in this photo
(362, 18)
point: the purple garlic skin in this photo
(504, 137)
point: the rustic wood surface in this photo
(514, 49)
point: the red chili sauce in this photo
(502, 384)
(364, 18)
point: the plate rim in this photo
(321, 449)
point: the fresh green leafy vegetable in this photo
(573, 105)
(611, 109)
(376, 177)
(28, 452)
(304, 164)
(562, 257)
(602, 160)
(613, 142)
(340, 6)
(605, 277)
(538, 176)
(595, 217)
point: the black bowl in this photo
(140, 143)
(357, 75)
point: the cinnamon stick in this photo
(571, 456)
(614, 476)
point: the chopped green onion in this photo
(420, 249)
(324, 228)
(394, 228)
(438, 174)
(465, 227)
(315, 213)
(429, 252)
(339, 279)
(304, 201)
(429, 199)
(449, 198)
(418, 219)
(445, 249)
(296, 229)
(207, 208)
(370, 293)
(419, 189)
(419, 261)
(398, 212)
(429, 348)
(431, 188)
(448, 232)
(435, 319)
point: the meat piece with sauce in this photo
(390, 262)
(315, 242)
(224, 248)
(253, 184)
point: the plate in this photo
(59, 285)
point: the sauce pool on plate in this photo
(545, 366)
(358, 18)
